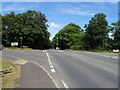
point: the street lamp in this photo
(57, 44)
(21, 42)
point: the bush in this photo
(76, 47)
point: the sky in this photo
(60, 0)
(60, 14)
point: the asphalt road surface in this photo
(73, 69)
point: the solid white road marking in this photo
(48, 74)
(57, 86)
(101, 54)
(109, 70)
(58, 50)
(107, 56)
(115, 57)
(64, 84)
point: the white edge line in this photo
(114, 57)
(109, 70)
(47, 73)
(39, 66)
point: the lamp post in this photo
(57, 44)
(21, 42)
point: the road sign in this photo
(56, 43)
(14, 43)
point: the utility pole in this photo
(57, 44)
(21, 42)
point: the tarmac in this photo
(33, 76)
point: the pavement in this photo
(68, 69)
(33, 76)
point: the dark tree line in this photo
(29, 27)
(94, 37)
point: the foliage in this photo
(116, 34)
(69, 36)
(30, 26)
(96, 32)
(75, 47)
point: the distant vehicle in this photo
(1, 48)
(116, 51)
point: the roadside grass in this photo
(9, 74)
(102, 51)
(15, 48)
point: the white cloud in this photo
(76, 11)
(13, 7)
(69, 9)
(83, 9)
(54, 25)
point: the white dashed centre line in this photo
(50, 63)
(65, 84)
(53, 70)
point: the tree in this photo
(96, 32)
(116, 35)
(69, 36)
(0, 29)
(8, 26)
(31, 26)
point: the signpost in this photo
(14, 43)
(57, 48)
(57, 44)
(21, 42)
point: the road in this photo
(73, 69)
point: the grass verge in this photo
(17, 48)
(10, 74)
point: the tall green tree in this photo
(69, 37)
(8, 28)
(0, 29)
(30, 26)
(116, 35)
(96, 32)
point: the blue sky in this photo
(60, 14)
